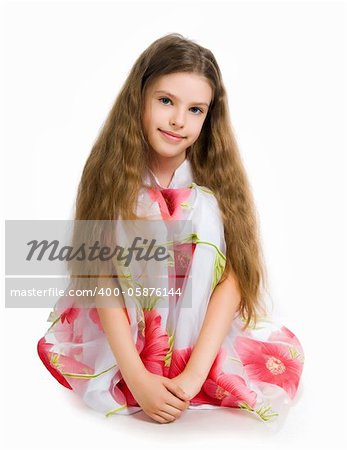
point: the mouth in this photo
(171, 136)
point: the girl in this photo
(167, 151)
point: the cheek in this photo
(158, 116)
(147, 120)
(196, 128)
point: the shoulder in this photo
(201, 188)
(205, 193)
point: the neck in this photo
(164, 167)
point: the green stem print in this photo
(202, 188)
(167, 359)
(114, 411)
(264, 411)
(54, 359)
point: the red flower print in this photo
(183, 255)
(169, 201)
(64, 329)
(270, 363)
(70, 314)
(156, 344)
(288, 336)
(229, 390)
(94, 316)
(122, 394)
(43, 350)
(116, 391)
(152, 348)
(179, 360)
(219, 388)
(57, 363)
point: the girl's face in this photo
(176, 103)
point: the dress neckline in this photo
(182, 177)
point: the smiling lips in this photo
(171, 137)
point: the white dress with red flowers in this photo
(257, 370)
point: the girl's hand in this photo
(159, 397)
(190, 383)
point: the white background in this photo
(284, 67)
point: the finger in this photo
(169, 409)
(176, 402)
(159, 419)
(166, 415)
(176, 390)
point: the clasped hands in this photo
(164, 399)
(189, 382)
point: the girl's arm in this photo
(160, 398)
(115, 323)
(221, 309)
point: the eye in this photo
(165, 98)
(193, 107)
(199, 109)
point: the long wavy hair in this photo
(113, 173)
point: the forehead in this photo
(183, 86)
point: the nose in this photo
(177, 118)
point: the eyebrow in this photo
(174, 96)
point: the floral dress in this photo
(257, 370)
